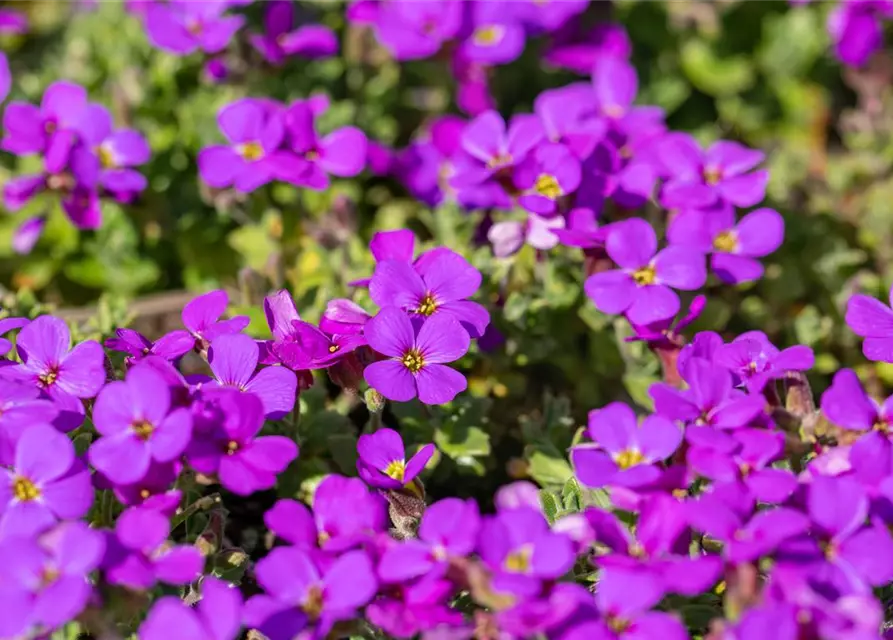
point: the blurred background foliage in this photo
(759, 72)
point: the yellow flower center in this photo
(48, 378)
(250, 151)
(145, 494)
(712, 175)
(396, 470)
(618, 625)
(518, 561)
(333, 348)
(613, 111)
(195, 27)
(726, 242)
(143, 429)
(499, 160)
(231, 447)
(629, 458)
(24, 490)
(427, 306)
(106, 157)
(312, 155)
(313, 603)
(413, 361)
(548, 187)
(489, 35)
(645, 276)
(48, 575)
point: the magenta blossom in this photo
(382, 460)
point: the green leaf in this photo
(550, 505)
(713, 75)
(460, 434)
(547, 466)
(572, 496)
(343, 447)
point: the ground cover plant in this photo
(446, 319)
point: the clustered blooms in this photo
(856, 28)
(84, 158)
(735, 494)
(268, 141)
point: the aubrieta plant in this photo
(204, 482)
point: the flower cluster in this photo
(84, 158)
(268, 141)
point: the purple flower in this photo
(745, 456)
(509, 236)
(709, 401)
(343, 317)
(169, 346)
(30, 129)
(138, 553)
(755, 360)
(45, 483)
(341, 528)
(549, 173)
(46, 580)
(138, 426)
(489, 149)
(416, 358)
(201, 316)
(153, 491)
(873, 320)
(521, 550)
(115, 152)
(300, 593)
(28, 233)
(746, 538)
(341, 153)
(666, 333)
(857, 30)
(846, 404)
(437, 284)
(641, 287)
(244, 462)
(182, 26)
(580, 51)
(425, 166)
(307, 348)
(412, 30)
(624, 599)
(844, 552)
(699, 179)
(21, 406)
(627, 454)
(7, 325)
(566, 116)
(410, 609)
(660, 549)
(382, 460)
(49, 363)
(233, 359)
(735, 248)
(250, 160)
(497, 36)
(13, 22)
(5, 77)
(216, 617)
(449, 528)
(278, 41)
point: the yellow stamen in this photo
(499, 160)
(143, 429)
(313, 603)
(518, 561)
(489, 35)
(427, 306)
(645, 276)
(413, 360)
(548, 187)
(231, 447)
(396, 470)
(333, 348)
(24, 490)
(250, 151)
(629, 458)
(726, 242)
(712, 175)
(48, 378)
